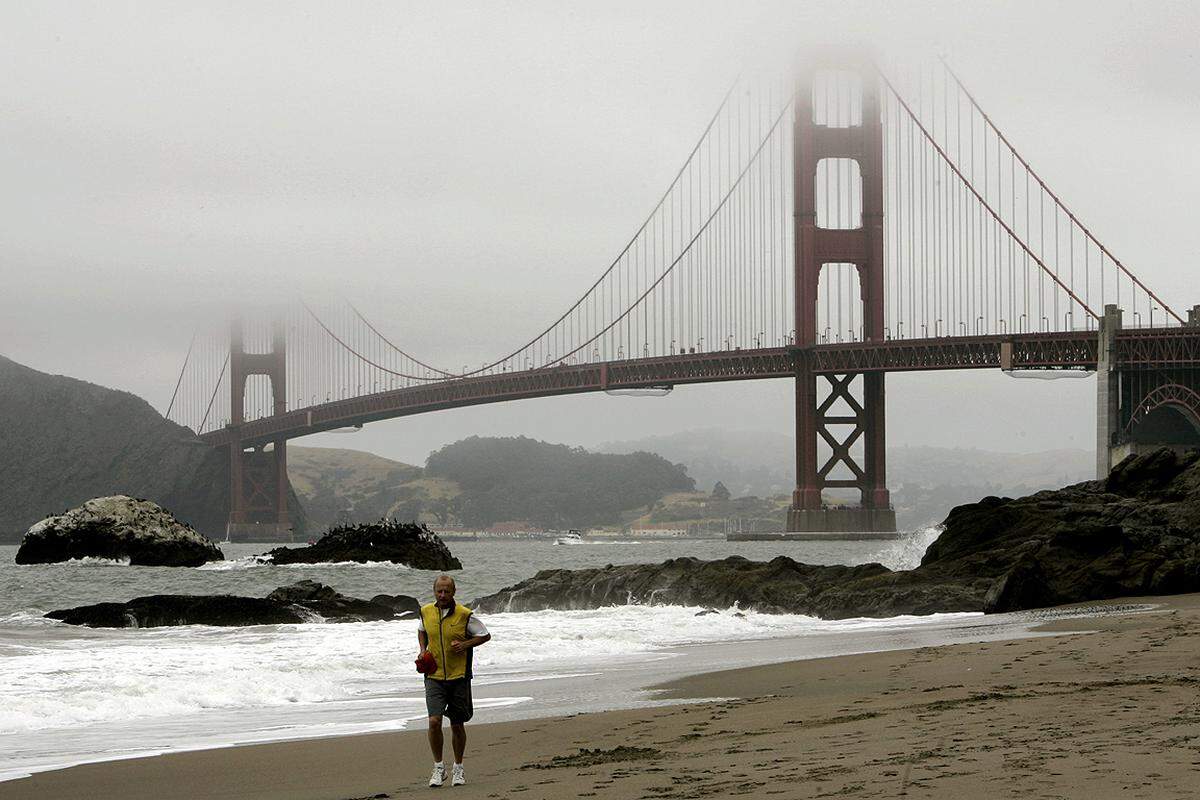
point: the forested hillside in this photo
(552, 485)
(347, 486)
(479, 482)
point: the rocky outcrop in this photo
(325, 601)
(387, 540)
(779, 586)
(306, 601)
(402, 604)
(1138, 532)
(121, 528)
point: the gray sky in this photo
(463, 173)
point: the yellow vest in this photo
(440, 632)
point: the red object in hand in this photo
(426, 663)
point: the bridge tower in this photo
(860, 417)
(1141, 407)
(258, 482)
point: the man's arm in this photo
(462, 645)
(477, 634)
(422, 640)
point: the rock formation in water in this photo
(404, 606)
(387, 540)
(1137, 532)
(120, 528)
(306, 601)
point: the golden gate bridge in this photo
(826, 229)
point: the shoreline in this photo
(844, 701)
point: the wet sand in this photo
(1108, 708)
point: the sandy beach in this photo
(1107, 707)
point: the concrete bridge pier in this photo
(1108, 390)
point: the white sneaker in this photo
(459, 778)
(439, 775)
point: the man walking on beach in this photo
(448, 633)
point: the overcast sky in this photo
(462, 173)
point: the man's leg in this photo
(435, 739)
(458, 740)
(460, 709)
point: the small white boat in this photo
(572, 537)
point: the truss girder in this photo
(1161, 347)
(1072, 350)
(1028, 351)
(557, 380)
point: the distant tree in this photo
(551, 484)
(720, 493)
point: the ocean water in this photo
(70, 695)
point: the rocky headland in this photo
(63, 441)
(1137, 532)
(387, 540)
(305, 601)
(120, 528)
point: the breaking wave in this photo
(257, 562)
(89, 561)
(907, 551)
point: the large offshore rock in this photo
(121, 528)
(1138, 532)
(160, 610)
(779, 586)
(387, 540)
(306, 601)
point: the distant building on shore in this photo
(660, 531)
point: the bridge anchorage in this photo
(825, 230)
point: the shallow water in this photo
(69, 695)
(487, 567)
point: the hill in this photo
(64, 441)
(350, 486)
(551, 485)
(478, 482)
(747, 462)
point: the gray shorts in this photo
(449, 698)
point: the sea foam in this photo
(169, 672)
(259, 562)
(89, 561)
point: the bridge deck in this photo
(1163, 347)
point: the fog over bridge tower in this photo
(258, 480)
(838, 122)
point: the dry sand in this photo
(1112, 712)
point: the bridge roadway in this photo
(1146, 347)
